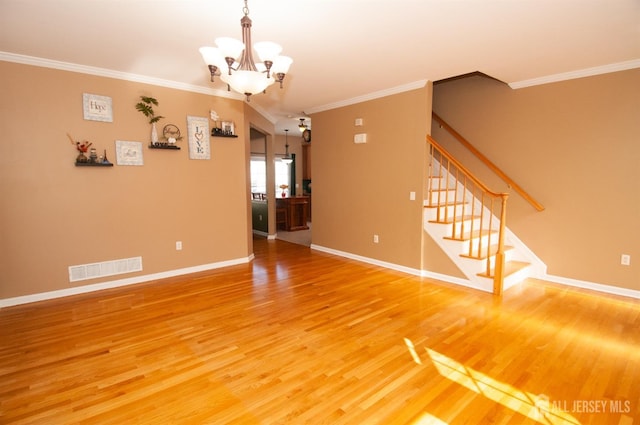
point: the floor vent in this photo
(105, 268)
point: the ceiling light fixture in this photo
(287, 158)
(302, 127)
(233, 61)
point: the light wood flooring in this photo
(302, 337)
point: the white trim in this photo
(375, 95)
(598, 287)
(102, 72)
(588, 72)
(8, 302)
(373, 261)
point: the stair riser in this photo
(442, 197)
(484, 241)
(459, 228)
(445, 211)
(480, 266)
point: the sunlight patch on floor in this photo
(428, 419)
(530, 405)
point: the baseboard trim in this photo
(43, 296)
(368, 260)
(596, 287)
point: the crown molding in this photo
(587, 72)
(371, 96)
(102, 72)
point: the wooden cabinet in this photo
(297, 210)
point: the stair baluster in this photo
(460, 188)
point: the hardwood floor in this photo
(299, 336)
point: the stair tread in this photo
(510, 268)
(455, 219)
(492, 251)
(445, 204)
(471, 235)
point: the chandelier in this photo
(233, 62)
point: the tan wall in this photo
(574, 146)
(363, 189)
(54, 215)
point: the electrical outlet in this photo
(178, 245)
(376, 239)
(412, 196)
(625, 260)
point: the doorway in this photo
(258, 173)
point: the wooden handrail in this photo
(488, 163)
(463, 169)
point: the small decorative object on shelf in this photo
(81, 147)
(170, 135)
(284, 187)
(218, 132)
(146, 107)
(227, 129)
(93, 160)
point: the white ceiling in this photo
(342, 49)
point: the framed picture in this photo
(97, 108)
(198, 133)
(129, 153)
(228, 128)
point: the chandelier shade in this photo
(247, 82)
(232, 60)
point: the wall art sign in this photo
(97, 108)
(129, 153)
(198, 133)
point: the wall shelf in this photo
(94, 164)
(223, 135)
(164, 146)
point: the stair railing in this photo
(470, 207)
(487, 162)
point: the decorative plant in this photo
(81, 147)
(146, 107)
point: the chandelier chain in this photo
(245, 9)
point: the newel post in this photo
(498, 277)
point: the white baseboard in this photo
(597, 287)
(8, 302)
(373, 261)
(260, 233)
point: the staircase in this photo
(468, 221)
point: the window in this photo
(259, 176)
(283, 177)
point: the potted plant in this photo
(145, 106)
